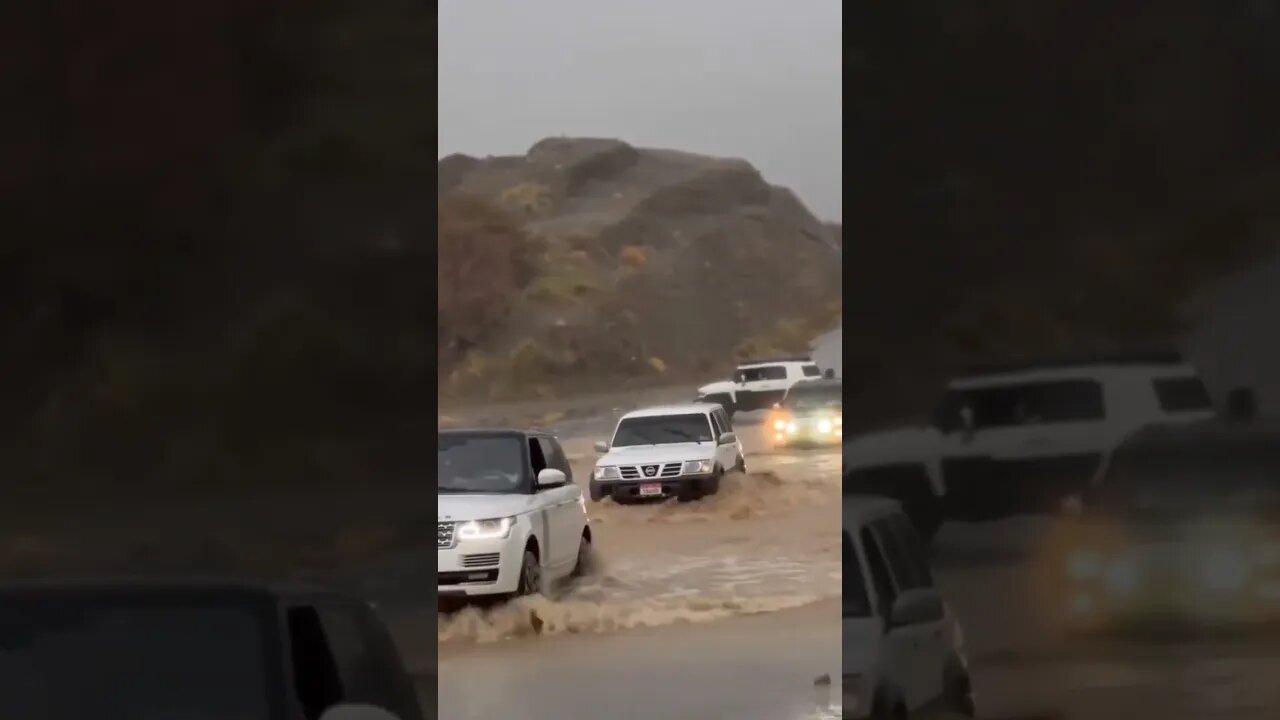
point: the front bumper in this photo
(476, 568)
(630, 489)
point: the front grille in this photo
(480, 560)
(637, 472)
(444, 535)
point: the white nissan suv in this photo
(903, 650)
(510, 518)
(678, 450)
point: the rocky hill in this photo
(635, 262)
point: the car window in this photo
(905, 570)
(854, 599)
(1025, 404)
(663, 430)
(361, 667)
(811, 371)
(537, 460)
(764, 372)
(715, 424)
(478, 463)
(146, 658)
(555, 457)
(913, 549)
(878, 566)
(1184, 394)
(809, 396)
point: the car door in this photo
(724, 451)
(935, 647)
(898, 657)
(563, 507)
(735, 449)
(917, 643)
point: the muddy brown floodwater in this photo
(717, 582)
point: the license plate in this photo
(650, 489)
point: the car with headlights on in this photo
(510, 518)
(1183, 532)
(679, 451)
(903, 651)
(811, 414)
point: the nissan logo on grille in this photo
(650, 470)
(444, 535)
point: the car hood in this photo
(723, 386)
(482, 506)
(860, 644)
(911, 444)
(675, 452)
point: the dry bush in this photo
(636, 256)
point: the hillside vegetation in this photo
(589, 263)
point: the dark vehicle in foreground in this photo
(1183, 532)
(812, 413)
(194, 650)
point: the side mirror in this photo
(916, 607)
(728, 438)
(601, 446)
(551, 478)
(352, 711)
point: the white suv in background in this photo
(677, 450)
(1022, 439)
(759, 384)
(510, 518)
(903, 651)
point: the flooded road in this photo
(757, 667)
(721, 607)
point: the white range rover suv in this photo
(903, 650)
(677, 450)
(759, 384)
(510, 518)
(1022, 439)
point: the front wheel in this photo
(530, 575)
(741, 465)
(596, 491)
(586, 558)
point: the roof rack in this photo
(785, 358)
(1168, 357)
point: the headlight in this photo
(606, 472)
(824, 426)
(779, 424)
(854, 692)
(485, 529)
(791, 428)
(693, 467)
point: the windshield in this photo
(826, 395)
(663, 430)
(77, 659)
(1024, 404)
(1232, 477)
(479, 463)
(854, 598)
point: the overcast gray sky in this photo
(757, 79)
